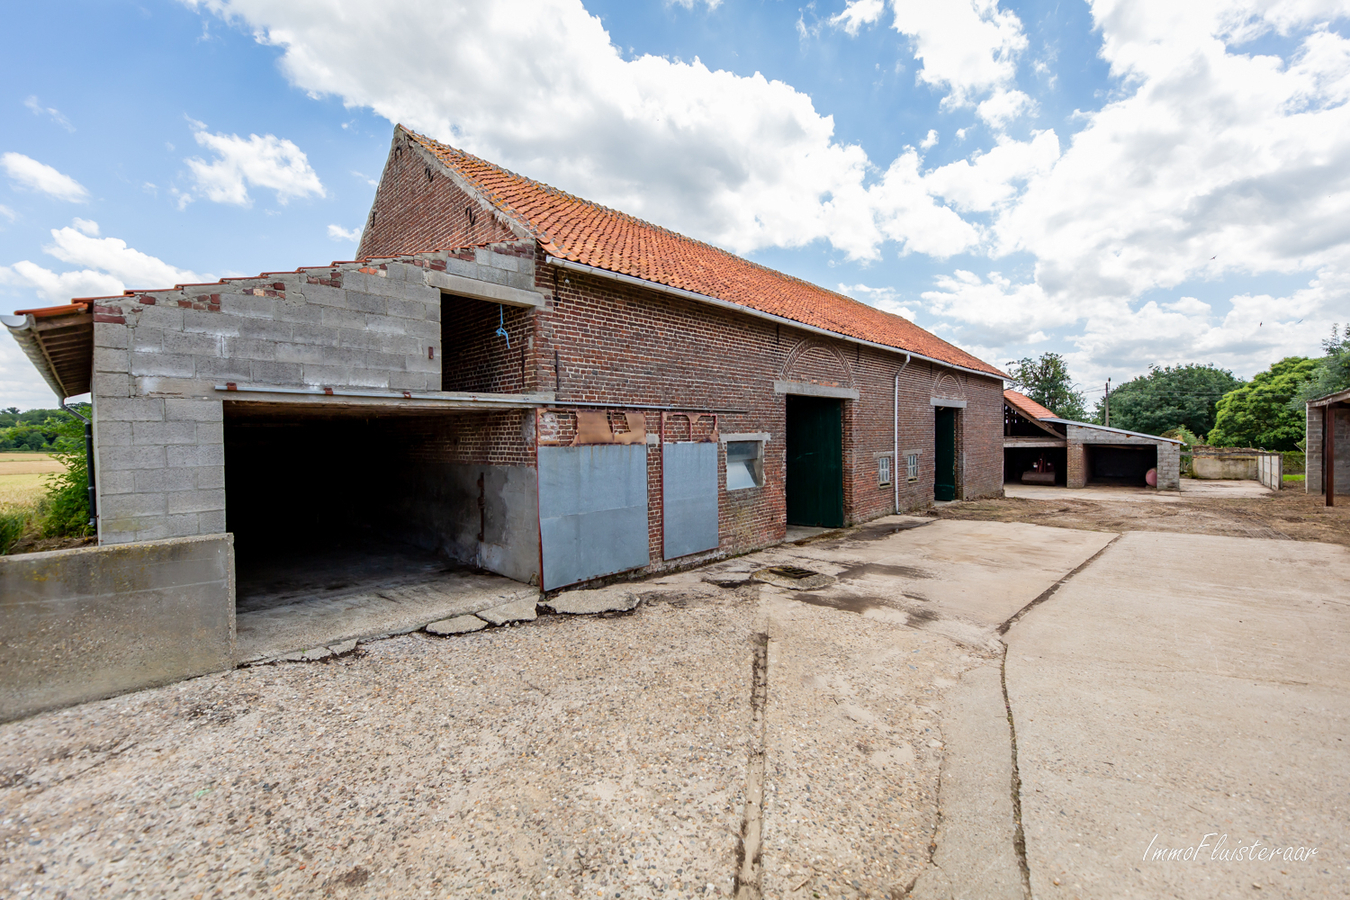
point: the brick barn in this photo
(517, 380)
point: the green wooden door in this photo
(815, 461)
(944, 454)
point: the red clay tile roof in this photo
(1026, 406)
(584, 232)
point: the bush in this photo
(67, 500)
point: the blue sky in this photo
(1126, 182)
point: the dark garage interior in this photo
(312, 499)
(1107, 464)
(1017, 460)
(326, 502)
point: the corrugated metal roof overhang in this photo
(59, 341)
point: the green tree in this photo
(1258, 414)
(1169, 397)
(1332, 374)
(1046, 380)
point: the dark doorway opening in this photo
(352, 521)
(1017, 460)
(944, 453)
(1119, 465)
(318, 505)
(815, 461)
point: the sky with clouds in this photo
(1125, 182)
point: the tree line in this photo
(1201, 403)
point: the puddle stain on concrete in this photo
(862, 605)
(863, 570)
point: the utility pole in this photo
(1108, 403)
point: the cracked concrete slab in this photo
(320, 620)
(456, 625)
(620, 598)
(961, 579)
(1180, 689)
(523, 610)
(853, 749)
(975, 840)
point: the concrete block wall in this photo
(159, 356)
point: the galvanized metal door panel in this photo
(689, 498)
(592, 511)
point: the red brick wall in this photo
(618, 344)
(475, 357)
(488, 438)
(419, 207)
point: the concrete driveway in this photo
(834, 718)
(1182, 700)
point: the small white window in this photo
(912, 466)
(745, 464)
(883, 470)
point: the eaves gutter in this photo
(750, 311)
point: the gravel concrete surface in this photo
(733, 735)
(570, 757)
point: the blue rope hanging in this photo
(501, 326)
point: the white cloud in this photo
(906, 213)
(1218, 162)
(1003, 107)
(968, 48)
(883, 298)
(8, 213)
(931, 140)
(988, 180)
(350, 235)
(55, 114)
(859, 13)
(28, 173)
(107, 267)
(265, 162)
(690, 4)
(741, 161)
(59, 287)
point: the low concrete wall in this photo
(1242, 468)
(78, 625)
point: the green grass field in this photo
(1295, 477)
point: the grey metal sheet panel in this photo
(689, 498)
(592, 511)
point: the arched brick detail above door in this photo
(816, 362)
(948, 387)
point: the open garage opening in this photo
(340, 511)
(1124, 465)
(1035, 465)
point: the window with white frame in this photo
(745, 464)
(912, 466)
(883, 470)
